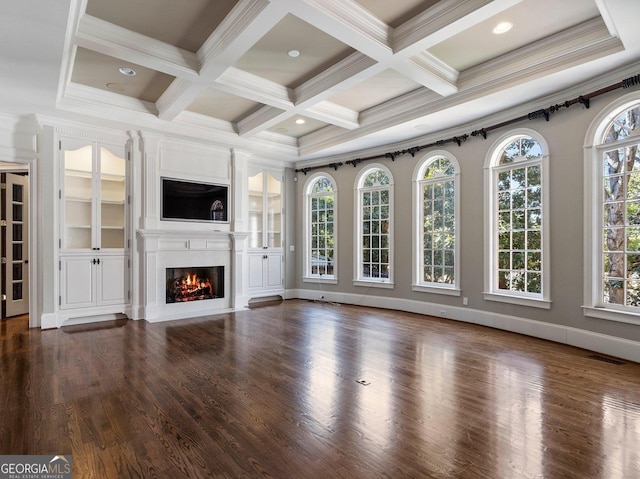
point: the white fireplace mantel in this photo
(162, 249)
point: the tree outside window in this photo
(517, 255)
(620, 223)
(374, 250)
(321, 228)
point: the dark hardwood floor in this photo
(313, 390)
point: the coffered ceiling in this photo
(366, 72)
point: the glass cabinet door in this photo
(273, 199)
(112, 199)
(256, 209)
(265, 211)
(94, 196)
(78, 198)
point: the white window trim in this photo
(416, 258)
(593, 307)
(492, 293)
(357, 247)
(307, 276)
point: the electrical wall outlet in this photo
(465, 301)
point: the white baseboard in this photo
(48, 321)
(610, 345)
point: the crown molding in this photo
(247, 22)
(90, 100)
(334, 114)
(347, 21)
(437, 67)
(115, 41)
(442, 21)
(253, 87)
(264, 118)
(344, 74)
(176, 98)
(585, 42)
(557, 52)
(503, 115)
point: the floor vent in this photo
(606, 359)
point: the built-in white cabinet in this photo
(93, 281)
(265, 254)
(93, 241)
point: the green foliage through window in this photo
(620, 256)
(519, 217)
(437, 196)
(321, 200)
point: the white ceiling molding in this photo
(255, 88)
(361, 98)
(583, 43)
(347, 21)
(118, 42)
(344, 74)
(442, 21)
(334, 114)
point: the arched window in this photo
(436, 225)
(613, 215)
(374, 227)
(517, 207)
(320, 237)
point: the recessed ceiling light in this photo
(281, 130)
(300, 121)
(422, 126)
(502, 27)
(293, 53)
(130, 72)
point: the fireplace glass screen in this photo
(195, 283)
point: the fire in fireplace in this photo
(195, 283)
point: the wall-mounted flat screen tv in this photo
(184, 200)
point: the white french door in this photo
(16, 278)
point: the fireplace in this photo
(188, 250)
(194, 283)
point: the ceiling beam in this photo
(112, 40)
(247, 22)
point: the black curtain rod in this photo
(458, 140)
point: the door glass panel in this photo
(112, 200)
(256, 210)
(78, 194)
(17, 212)
(17, 271)
(17, 232)
(17, 251)
(17, 291)
(17, 193)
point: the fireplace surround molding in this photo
(162, 249)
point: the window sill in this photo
(436, 290)
(374, 284)
(320, 279)
(611, 314)
(519, 300)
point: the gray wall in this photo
(565, 135)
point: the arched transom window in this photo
(321, 228)
(435, 235)
(374, 252)
(517, 269)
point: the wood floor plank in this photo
(314, 390)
